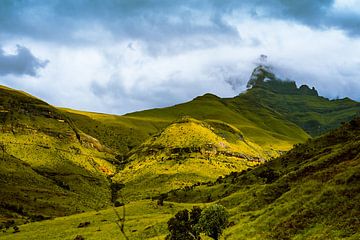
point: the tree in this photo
(3, 149)
(213, 221)
(161, 199)
(184, 226)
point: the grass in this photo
(259, 124)
(58, 162)
(144, 220)
(316, 115)
(311, 192)
(48, 166)
(186, 152)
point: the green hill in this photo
(48, 167)
(270, 113)
(186, 152)
(311, 192)
(260, 124)
(64, 145)
(56, 162)
(303, 106)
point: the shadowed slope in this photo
(48, 166)
(310, 192)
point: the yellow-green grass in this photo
(51, 177)
(312, 192)
(186, 152)
(260, 124)
(314, 114)
(144, 220)
(314, 196)
(44, 152)
(48, 166)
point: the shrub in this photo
(184, 226)
(213, 221)
(118, 204)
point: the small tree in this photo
(213, 221)
(184, 226)
(3, 149)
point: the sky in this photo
(120, 56)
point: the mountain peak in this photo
(262, 73)
(264, 77)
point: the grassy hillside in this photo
(260, 124)
(301, 105)
(311, 192)
(74, 154)
(316, 115)
(144, 220)
(186, 152)
(48, 167)
(121, 133)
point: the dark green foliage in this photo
(16, 229)
(115, 188)
(184, 225)
(195, 215)
(118, 204)
(161, 199)
(213, 221)
(83, 224)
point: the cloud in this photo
(160, 20)
(122, 56)
(23, 62)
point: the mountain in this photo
(184, 153)
(57, 161)
(311, 192)
(260, 124)
(271, 110)
(303, 105)
(48, 167)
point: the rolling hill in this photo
(56, 161)
(48, 166)
(311, 192)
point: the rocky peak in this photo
(260, 74)
(264, 77)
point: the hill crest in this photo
(263, 77)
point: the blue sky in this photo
(127, 55)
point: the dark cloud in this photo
(157, 20)
(23, 62)
(135, 54)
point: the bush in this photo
(213, 221)
(184, 226)
(118, 204)
(161, 199)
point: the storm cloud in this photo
(121, 56)
(22, 62)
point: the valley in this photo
(277, 156)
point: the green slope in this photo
(312, 192)
(186, 152)
(48, 166)
(56, 162)
(301, 105)
(274, 114)
(262, 125)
